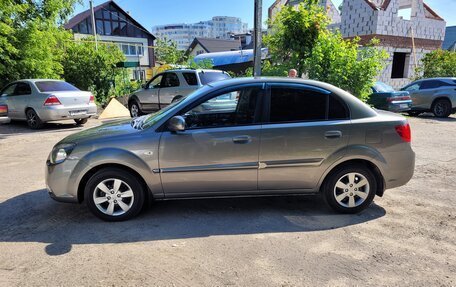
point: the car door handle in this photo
(333, 134)
(242, 139)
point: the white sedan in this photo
(39, 101)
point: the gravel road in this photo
(408, 237)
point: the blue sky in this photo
(156, 12)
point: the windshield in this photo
(147, 121)
(54, 86)
(209, 77)
(383, 88)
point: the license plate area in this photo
(403, 106)
(78, 112)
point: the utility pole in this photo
(94, 27)
(257, 38)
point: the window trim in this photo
(267, 104)
(258, 119)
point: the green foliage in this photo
(91, 69)
(295, 31)
(301, 40)
(31, 41)
(204, 64)
(344, 64)
(166, 52)
(438, 63)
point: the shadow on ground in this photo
(429, 116)
(21, 127)
(34, 217)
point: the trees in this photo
(166, 52)
(301, 40)
(91, 69)
(438, 63)
(31, 40)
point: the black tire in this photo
(129, 182)
(80, 122)
(330, 191)
(441, 108)
(33, 120)
(176, 98)
(135, 110)
(414, 113)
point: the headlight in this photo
(60, 153)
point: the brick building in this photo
(407, 30)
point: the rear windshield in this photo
(383, 88)
(54, 86)
(209, 77)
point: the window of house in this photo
(295, 105)
(400, 65)
(190, 78)
(107, 28)
(232, 108)
(99, 24)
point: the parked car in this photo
(283, 136)
(436, 95)
(39, 101)
(4, 114)
(168, 87)
(384, 97)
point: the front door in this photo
(169, 88)
(148, 97)
(217, 154)
(305, 127)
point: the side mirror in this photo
(176, 124)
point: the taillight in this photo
(3, 109)
(92, 99)
(404, 132)
(52, 101)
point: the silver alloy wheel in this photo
(31, 118)
(134, 110)
(351, 190)
(113, 197)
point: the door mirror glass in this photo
(176, 124)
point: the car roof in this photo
(358, 108)
(38, 80)
(193, 70)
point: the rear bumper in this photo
(400, 106)
(57, 113)
(4, 120)
(400, 168)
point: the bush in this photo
(438, 63)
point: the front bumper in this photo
(62, 179)
(57, 113)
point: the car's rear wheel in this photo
(350, 188)
(114, 194)
(33, 120)
(80, 121)
(441, 108)
(135, 111)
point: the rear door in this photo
(305, 127)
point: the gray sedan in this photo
(41, 101)
(436, 95)
(239, 137)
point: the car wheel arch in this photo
(132, 99)
(357, 161)
(441, 97)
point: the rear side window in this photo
(54, 86)
(22, 89)
(209, 77)
(190, 78)
(432, 84)
(170, 80)
(337, 110)
(293, 105)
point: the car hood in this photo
(111, 129)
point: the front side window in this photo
(296, 105)
(233, 108)
(413, 87)
(170, 80)
(9, 91)
(155, 82)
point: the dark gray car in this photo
(436, 95)
(240, 137)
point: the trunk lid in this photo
(72, 98)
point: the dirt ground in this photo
(408, 237)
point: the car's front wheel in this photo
(350, 189)
(135, 111)
(113, 194)
(441, 108)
